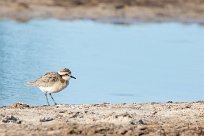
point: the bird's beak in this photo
(73, 77)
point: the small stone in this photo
(155, 112)
(122, 131)
(141, 122)
(119, 6)
(63, 111)
(75, 115)
(188, 106)
(11, 119)
(137, 122)
(46, 119)
(124, 115)
(19, 105)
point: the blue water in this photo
(112, 63)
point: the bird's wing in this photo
(47, 80)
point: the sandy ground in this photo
(150, 119)
(118, 11)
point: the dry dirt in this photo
(150, 119)
(119, 11)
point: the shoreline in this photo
(121, 12)
(171, 118)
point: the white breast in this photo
(46, 89)
(53, 89)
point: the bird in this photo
(52, 82)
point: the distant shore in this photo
(116, 11)
(104, 119)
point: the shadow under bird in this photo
(52, 82)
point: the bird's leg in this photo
(52, 98)
(47, 99)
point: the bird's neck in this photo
(64, 81)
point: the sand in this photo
(116, 11)
(150, 119)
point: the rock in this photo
(122, 131)
(75, 115)
(188, 106)
(137, 122)
(101, 130)
(19, 105)
(63, 111)
(119, 6)
(142, 130)
(46, 119)
(127, 115)
(11, 119)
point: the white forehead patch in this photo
(62, 73)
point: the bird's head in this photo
(65, 73)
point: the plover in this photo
(52, 82)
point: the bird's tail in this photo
(30, 83)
